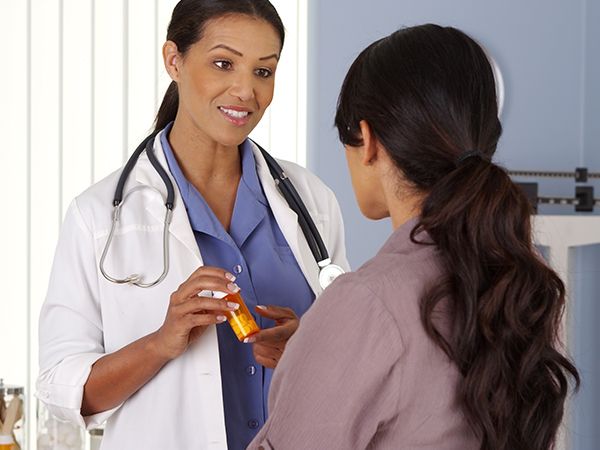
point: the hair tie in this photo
(468, 154)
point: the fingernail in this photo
(234, 306)
(261, 307)
(249, 340)
(233, 287)
(221, 318)
(230, 276)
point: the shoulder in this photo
(306, 182)
(101, 190)
(355, 292)
(349, 314)
(314, 192)
(393, 283)
(297, 171)
(94, 204)
(358, 290)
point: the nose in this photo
(243, 87)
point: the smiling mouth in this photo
(233, 113)
(234, 116)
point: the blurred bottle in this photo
(54, 434)
(6, 442)
(12, 415)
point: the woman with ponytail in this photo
(449, 337)
(158, 362)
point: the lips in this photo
(236, 115)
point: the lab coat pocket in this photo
(130, 312)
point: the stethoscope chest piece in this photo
(329, 273)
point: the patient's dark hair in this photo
(428, 94)
(187, 25)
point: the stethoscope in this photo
(327, 270)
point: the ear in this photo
(370, 147)
(171, 59)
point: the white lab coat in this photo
(85, 317)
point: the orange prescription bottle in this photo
(241, 320)
(6, 442)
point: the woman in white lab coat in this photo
(157, 363)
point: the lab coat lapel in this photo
(180, 225)
(287, 220)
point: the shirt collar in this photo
(201, 217)
(249, 174)
(400, 240)
(184, 185)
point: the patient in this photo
(448, 337)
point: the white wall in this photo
(81, 81)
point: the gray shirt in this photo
(361, 372)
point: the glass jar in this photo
(12, 416)
(54, 434)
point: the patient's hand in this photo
(269, 343)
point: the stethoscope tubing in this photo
(289, 192)
(136, 279)
(146, 145)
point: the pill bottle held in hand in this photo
(6, 442)
(241, 321)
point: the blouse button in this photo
(237, 269)
(253, 423)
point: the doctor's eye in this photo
(223, 64)
(264, 72)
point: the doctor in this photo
(157, 362)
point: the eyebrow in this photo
(232, 50)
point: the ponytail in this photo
(168, 107)
(507, 306)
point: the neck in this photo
(212, 168)
(203, 160)
(400, 218)
(403, 205)
(399, 197)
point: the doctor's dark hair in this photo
(187, 25)
(428, 95)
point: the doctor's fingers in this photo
(203, 320)
(196, 305)
(211, 272)
(193, 287)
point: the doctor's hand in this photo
(269, 343)
(189, 314)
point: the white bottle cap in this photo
(212, 294)
(6, 439)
